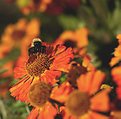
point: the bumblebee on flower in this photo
(44, 62)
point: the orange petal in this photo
(116, 73)
(93, 115)
(48, 111)
(96, 82)
(33, 114)
(100, 101)
(21, 89)
(90, 82)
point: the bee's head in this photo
(36, 47)
(36, 42)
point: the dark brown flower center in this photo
(39, 93)
(70, 43)
(18, 34)
(78, 103)
(74, 73)
(37, 64)
(36, 4)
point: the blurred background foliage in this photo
(101, 17)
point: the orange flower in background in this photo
(21, 34)
(78, 40)
(44, 63)
(117, 52)
(116, 74)
(46, 99)
(86, 102)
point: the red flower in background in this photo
(44, 63)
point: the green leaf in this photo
(70, 22)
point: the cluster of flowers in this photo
(58, 80)
(81, 94)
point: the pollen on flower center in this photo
(37, 64)
(78, 103)
(39, 93)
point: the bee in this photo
(36, 47)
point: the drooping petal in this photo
(21, 89)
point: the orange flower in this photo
(20, 34)
(76, 39)
(86, 102)
(44, 63)
(117, 53)
(44, 98)
(116, 74)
